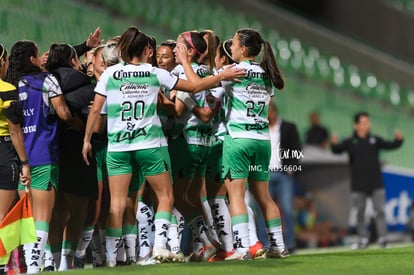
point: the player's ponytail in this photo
(253, 41)
(269, 64)
(212, 43)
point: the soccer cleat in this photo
(203, 254)
(178, 257)
(110, 263)
(383, 243)
(276, 253)
(97, 265)
(361, 244)
(79, 262)
(257, 250)
(149, 261)
(220, 256)
(162, 254)
(207, 252)
(49, 268)
(239, 256)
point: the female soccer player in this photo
(248, 143)
(130, 90)
(42, 101)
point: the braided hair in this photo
(19, 61)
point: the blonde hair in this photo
(110, 54)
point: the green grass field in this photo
(394, 260)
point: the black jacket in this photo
(289, 140)
(75, 176)
(364, 160)
(77, 88)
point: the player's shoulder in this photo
(6, 87)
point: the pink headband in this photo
(187, 37)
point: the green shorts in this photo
(188, 160)
(150, 161)
(246, 158)
(137, 179)
(44, 177)
(100, 148)
(214, 163)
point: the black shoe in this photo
(383, 244)
(98, 265)
(79, 262)
(49, 268)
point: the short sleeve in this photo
(51, 86)
(102, 83)
(166, 79)
(104, 110)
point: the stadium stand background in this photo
(324, 69)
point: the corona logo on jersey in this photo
(121, 74)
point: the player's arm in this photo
(14, 115)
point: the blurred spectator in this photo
(317, 134)
(284, 162)
(313, 230)
(366, 180)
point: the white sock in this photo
(66, 261)
(173, 239)
(84, 241)
(145, 219)
(241, 233)
(48, 257)
(252, 227)
(121, 253)
(222, 221)
(200, 233)
(68, 253)
(180, 222)
(130, 246)
(210, 220)
(162, 225)
(34, 252)
(274, 229)
(129, 242)
(113, 242)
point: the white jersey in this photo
(131, 93)
(194, 130)
(219, 126)
(248, 103)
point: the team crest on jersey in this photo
(202, 72)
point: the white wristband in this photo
(186, 99)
